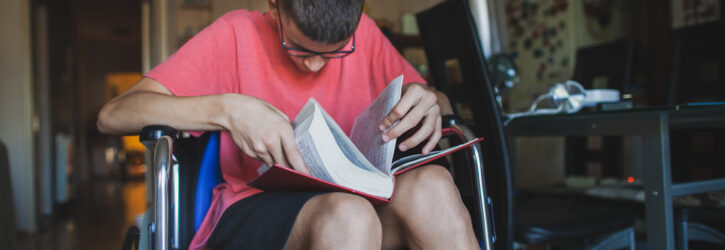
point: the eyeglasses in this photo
(302, 52)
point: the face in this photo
(294, 38)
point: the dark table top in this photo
(617, 122)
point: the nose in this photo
(314, 63)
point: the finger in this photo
(266, 158)
(262, 154)
(293, 154)
(247, 149)
(409, 121)
(400, 109)
(275, 150)
(433, 141)
(425, 130)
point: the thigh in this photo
(425, 199)
(261, 221)
(336, 221)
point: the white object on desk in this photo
(568, 97)
(596, 96)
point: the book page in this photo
(310, 153)
(304, 129)
(305, 143)
(366, 133)
(331, 156)
(346, 145)
(413, 160)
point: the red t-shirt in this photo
(241, 53)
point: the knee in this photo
(348, 216)
(433, 183)
(434, 192)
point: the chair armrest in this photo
(454, 121)
(483, 202)
(164, 229)
(152, 133)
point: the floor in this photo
(97, 219)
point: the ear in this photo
(272, 9)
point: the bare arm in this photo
(259, 129)
(148, 102)
(444, 103)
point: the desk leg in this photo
(658, 184)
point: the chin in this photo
(301, 67)
(305, 69)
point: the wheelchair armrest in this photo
(484, 203)
(163, 230)
(454, 121)
(152, 133)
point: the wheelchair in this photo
(186, 169)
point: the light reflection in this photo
(134, 200)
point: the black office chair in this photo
(698, 63)
(458, 68)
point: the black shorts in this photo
(265, 220)
(261, 221)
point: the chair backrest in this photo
(611, 63)
(8, 234)
(458, 69)
(698, 63)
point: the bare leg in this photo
(427, 213)
(336, 221)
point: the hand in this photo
(418, 104)
(262, 131)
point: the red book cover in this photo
(278, 178)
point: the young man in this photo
(246, 74)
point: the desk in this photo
(653, 125)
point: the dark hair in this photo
(328, 21)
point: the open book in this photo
(362, 163)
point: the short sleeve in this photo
(386, 60)
(205, 65)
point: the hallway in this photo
(97, 219)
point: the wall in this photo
(219, 7)
(543, 44)
(16, 124)
(543, 38)
(590, 31)
(392, 11)
(377, 9)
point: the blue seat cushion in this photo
(209, 176)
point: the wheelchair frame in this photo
(163, 229)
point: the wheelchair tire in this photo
(131, 239)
